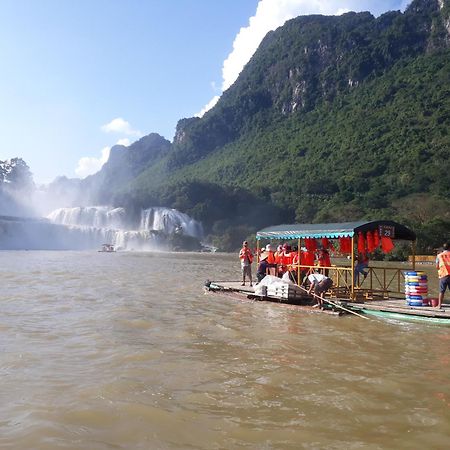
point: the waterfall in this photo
(88, 228)
(170, 221)
(18, 233)
(90, 216)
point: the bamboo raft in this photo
(234, 290)
(386, 308)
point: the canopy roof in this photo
(334, 230)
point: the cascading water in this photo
(170, 221)
(84, 228)
(90, 227)
(90, 216)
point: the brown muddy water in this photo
(125, 351)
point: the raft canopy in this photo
(336, 230)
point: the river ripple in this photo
(125, 351)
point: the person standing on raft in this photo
(246, 257)
(443, 267)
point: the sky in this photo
(77, 77)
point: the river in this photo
(125, 351)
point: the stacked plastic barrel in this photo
(416, 288)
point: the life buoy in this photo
(415, 303)
(415, 273)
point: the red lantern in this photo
(386, 244)
(345, 244)
(370, 241)
(361, 243)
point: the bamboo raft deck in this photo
(378, 306)
(234, 290)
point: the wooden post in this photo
(257, 251)
(353, 268)
(413, 245)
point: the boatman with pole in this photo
(443, 267)
(320, 284)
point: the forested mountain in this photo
(16, 184)
(333, 119)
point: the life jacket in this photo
(271, 258)
(287, 258)
(278, 257)
(443, 260)
(246, 253)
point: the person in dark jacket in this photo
(262, 266)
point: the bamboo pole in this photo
(257, 250)
(298, 261)
(335, 304)
(413, 244)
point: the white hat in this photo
(263, 256)
(268, 248)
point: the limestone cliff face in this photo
(308, 61)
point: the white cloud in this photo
(405, 4)
(120, 125)
(125, 141)
(89, 165)
(271, 14)
(207, 107)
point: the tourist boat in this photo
(107, 248)
(381, 293)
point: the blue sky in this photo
(80, 76)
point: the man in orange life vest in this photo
(443, 267)
(246, 257)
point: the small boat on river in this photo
(384, 291)
(107, 248)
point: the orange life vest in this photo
(278, 257)
(443, 260)
(271, 258)
(246, 253)
(287, 258)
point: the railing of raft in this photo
(379, 282)
(386, 279)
